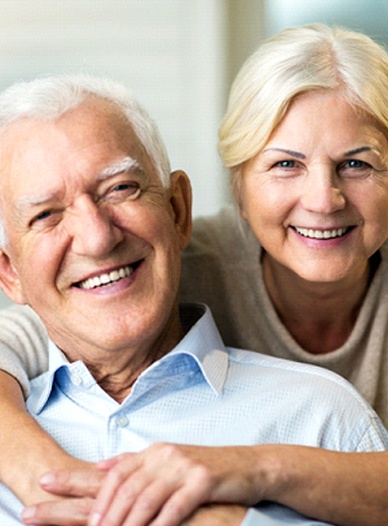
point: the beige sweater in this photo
(221, 268)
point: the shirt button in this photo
(76, 379)
(122, 421)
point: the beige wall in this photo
(246, 28)
(171, 53)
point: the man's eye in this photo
(45, 219)
(124, 190)
(42, 215)
(122, 187)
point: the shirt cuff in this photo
(276, 515)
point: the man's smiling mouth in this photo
(107, 278)
(322, 234)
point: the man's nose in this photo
(93, 230)
(322, 192)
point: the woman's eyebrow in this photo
(359, 150)
(299, 155)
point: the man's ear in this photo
(180, 200)
(9, 280)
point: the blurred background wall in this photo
(178, 57)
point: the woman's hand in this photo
(162, 485)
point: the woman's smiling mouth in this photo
(322, 234)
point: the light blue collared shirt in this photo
(202, 393)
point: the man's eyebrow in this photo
(31, 201)
(123, 165)
(288, 152)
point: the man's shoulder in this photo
(307, 397)
(292, 372)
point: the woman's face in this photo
(316, 196)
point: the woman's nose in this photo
(322, 192)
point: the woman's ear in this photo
(9, 280)
(180, 200)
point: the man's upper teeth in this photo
(105, 279)
(321, 234)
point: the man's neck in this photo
(117, 370)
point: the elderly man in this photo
(93, 226)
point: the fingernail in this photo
(29, 513)
(94, 519)
(46, 479)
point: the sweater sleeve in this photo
(23, 344)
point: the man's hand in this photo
(162, 485)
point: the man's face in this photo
(94, 240)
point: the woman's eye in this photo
(355, 168)
(286, 168)
(355, 163)
(286, 164)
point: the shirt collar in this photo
(202, 342)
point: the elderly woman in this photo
(298, 270)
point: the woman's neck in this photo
(319, 316)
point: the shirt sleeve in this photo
(277, 515)
(375, 437)
(23, 344)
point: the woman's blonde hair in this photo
(298, 60)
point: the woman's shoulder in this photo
(224, 233)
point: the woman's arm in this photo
(26, 450)
(23, 344)
(346, 489)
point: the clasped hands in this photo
(164, 485)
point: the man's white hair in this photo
(47, 98)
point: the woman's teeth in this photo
(321, 234)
